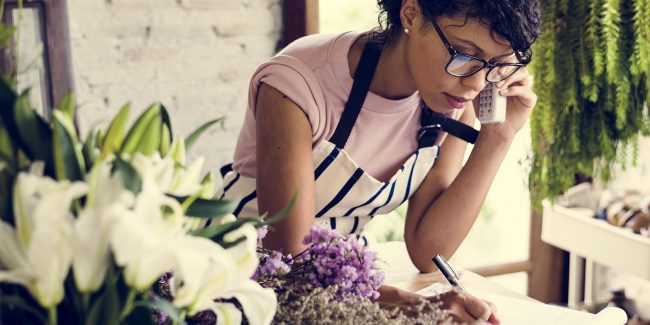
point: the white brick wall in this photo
(195, 56)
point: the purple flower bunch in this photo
(330, 260)
(273, 263)
(334, 260)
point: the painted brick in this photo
(194, 56)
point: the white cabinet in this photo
(584, 237)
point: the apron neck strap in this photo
(362, 79)
(432, 122)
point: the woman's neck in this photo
(392, 79)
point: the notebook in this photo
(514, 311)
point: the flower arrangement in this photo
(335, 280)
(330, 260)
(88, 227)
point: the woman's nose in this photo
(476, 82)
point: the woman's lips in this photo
(456, 102)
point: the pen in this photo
(448, 272)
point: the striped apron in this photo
(346, 196)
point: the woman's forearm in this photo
(449, 217)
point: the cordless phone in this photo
(492, 106)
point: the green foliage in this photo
(591, 75)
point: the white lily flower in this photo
(173, 177)
(259, 303)
(187, 181)
(107, 200)
(38, 252)
(224, 274)
(245, 252)
(142, 239)
(205, 270)
(226, 313)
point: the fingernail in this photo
(503, 92)
(500, 84)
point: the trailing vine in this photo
(591, 76)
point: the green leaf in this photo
(115, 134)
(197, 133)
(34, 131)
(6, 149)
(6, 34)
(106, 309)
(26, 129)
(8, 161)
(217, 232)
(138, 129)
(280, 215)
(206, 208)
(18, 302)
(140, 316)
(67, 106)
(100, 135)
(163, 306)
(130, 176)
(88, 151)
(230, 244)
(68, 161)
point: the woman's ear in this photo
(410, 14)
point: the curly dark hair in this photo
(518, 21)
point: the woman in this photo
(344, 121)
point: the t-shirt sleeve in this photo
(298, 82)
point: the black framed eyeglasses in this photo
(465, 65)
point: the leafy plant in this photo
(591, 75)
(88, 225)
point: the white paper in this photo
(515, 311)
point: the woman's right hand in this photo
(462, 307)
(465, 308)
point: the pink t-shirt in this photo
(314, 73)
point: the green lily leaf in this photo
(7, 162)
(164, 306)
(100, 135)
(88, 151)
(26, 129)
(6, 149)
(17, 302)
(138, 129)
(68, 160)
(34, 131)
(6, 204)
(106, 309)
(115, 134)
(130, 176)
(205, 208)
(217, 232)
(197, 133)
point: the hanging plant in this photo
(591, 75)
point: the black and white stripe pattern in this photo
(347, 196)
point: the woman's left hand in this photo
(521, 101)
